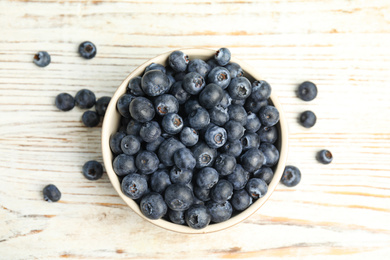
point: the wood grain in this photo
(338, 211)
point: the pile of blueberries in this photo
(196, 141)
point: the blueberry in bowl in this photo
(198, 140)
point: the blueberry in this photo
(155, 66)
(177, 217)
(256, 188)
(268, 134)
(251, 105)
(64, 102)
(42, 59)
(179, 76)
(210, 96)
(85, 98)
(204, 155)
(101, 105)
(250, 140)
(235, 70)
(180, 176)
(265, 173)
(154, 83)
(253, 124)
(153, 146)
(261, 90)
(172, 123)
(178, 197)
(202, 193)
(239, 177)
(233, 148)
(197, 217)
(141, 109)
(167, 150)
(199, 66)
(146, 162)
(193, 83)
(324, 156)
(219, 212)
(134, 186)
(150, 131)
(219, 115)
(240, 102)
(159, 181)
(191, 105)
(189, 136)
(307, 91)
(124, 164)
(90, 118)
(153, 206)
(123, 105)
(133, 127)
(226, 100)
(115, 142)
(212, 63)
(178, 61)
(206, 178)
(252, 159)
(216, 137)
(238, 113)
(234, 130)
(130, 145)
(87, 50)
(269, 115)
(219, 76)
(271, 154)
(291, 176)
(51, 193)
(179, 93)
(222, 191)
(222, 56)
(308, 119)
(134, 87)
(166, 104)
(199, 118)
(225, 164)
(241, 200)
(240, 88)
(184, 159)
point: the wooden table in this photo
(338, 211)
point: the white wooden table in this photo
(338, 211)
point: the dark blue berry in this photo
(222, 191)
(177, 217)
(178, 61)
(51, 193)
(212, 63)
(167, 150)
(233, 148)
(256, 188)
(204, 155)
(308, 119)
(153, 206)
(147, 162)
(191, 105)
(179, 93)
(42, 59)
(155, 83)
(202, 193)
(238, 113)
(210, 96)
(250, 140)
(159, 181)
(123, 105)
(150, 131)
(219, 76)
(153, 146)
(239, 177)
(124, 164)
(133, 127)
(219, 212)
(180, 176)
(307, 91)
(226, 100)
(268, 134)
(271, 154)
(87, 50)
(193, 83)
(240, 88)
(134, 87)
(172, 123)
(199, 66)
(134, 186)
(291, 176)
(141, 109)
(101, 105)
(254, 106)
(235, 70)
(219, 115)
(165, 104)
(90, 118)
(130, 145)
(178, 197)
(261, 90)
(199, 118)
(222, 56)
(252, 159)
(197, 217)
(85, 98)
(240, 102)
(253, 124)
(324, 156)
(269, 116)
(179, 76)
(264, 173)
(184, 159)
(241, 200)
(189, 136)
(155, 66)
(225, 164)
(234, 130)
(206, 178)
(64, 102)
(215, 136)
(115, 142)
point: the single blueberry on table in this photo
(206, 178)
(64, 102)
(92, 170)
(199, 118)
(150, 131)
(256, 188)
(219, 212)
(153, 146)
(239, 177)
(172, 123)
(180, 176)
(324, 156)
(261, 90)
(219, 115)
(233, 148)
(238, 113)
(133, 127)
(115, 142)
(307, 119)
(291, 176)
(225, 164)
(197, 217)
(184, 159)
(87, 50)
(155, 83)
(253, 124)
(193, 83)
(241, 200)
(85, 98)
(134, 186)
(146, 162)
(179, 93)
(123, 105)
(159, 181)
(222, 191)
(90, 118)
(240, 88)
(141, 109)
(215, 136)
(124, 164)
(271, 154)
(219, 76)
(204, 155)
(155, 66)
(165, 104)
(153, 206)
(177, 217)
(134, 87)
(178, 197)
(130, 145)
(269, 116)
(199, 66)
(250, 140)
(178, 61)
(252, 159)
(210, 96)
(167, 149)
(189, 136)
(202, 193)
(235, 70)
(101, 105)
(265, 173)
(222, 56)
(51, 193)
(307, 91)
(42, 59)
(268, 134)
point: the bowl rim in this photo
(113, 115)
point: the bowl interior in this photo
(112, 121)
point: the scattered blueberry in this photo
(92, 170)
(51, 193)
(308, 119)
(87, 50)
(42, 59)
(90, 118)
(291, 176)
(307, 91)
(64, 102)
(101, 105)
(134, 186)
(85, 98)
(324, 156)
